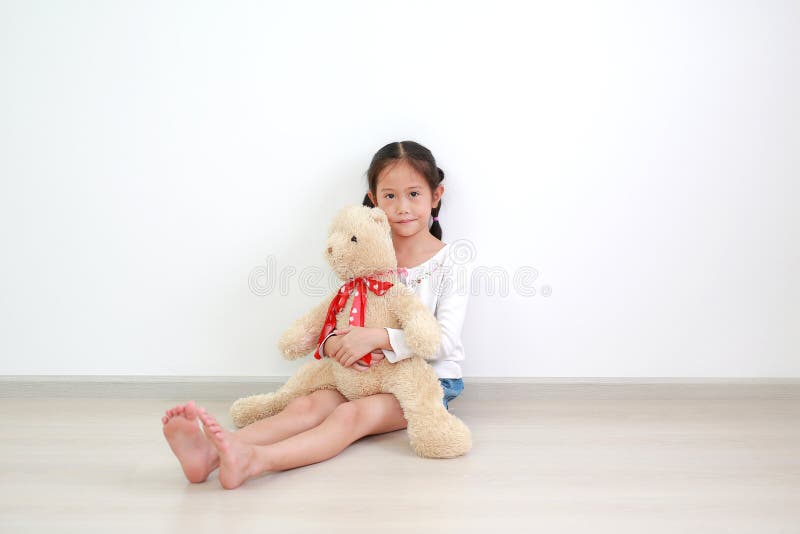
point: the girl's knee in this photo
(315, 406)
(300, 406)
(325, 400)
(370, 415)
(347, 414)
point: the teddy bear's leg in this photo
(309, 378)
(432, 430)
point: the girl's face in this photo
(406, 198)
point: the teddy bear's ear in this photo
(378, 215)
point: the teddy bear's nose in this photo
(330, 249)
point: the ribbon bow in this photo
(357, 312)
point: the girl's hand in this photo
(353, 343)
(377, 355)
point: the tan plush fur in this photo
(433, 432)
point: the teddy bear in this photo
(359, 250)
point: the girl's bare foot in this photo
(197, 455)
(237, 459)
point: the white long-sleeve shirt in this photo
(443, 284)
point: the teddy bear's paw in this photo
(423, 337)
(290, 349)
(248, 410)
(294, 352)
(448, 438)
(296, 342)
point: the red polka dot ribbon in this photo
(379, 287)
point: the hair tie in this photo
(435, 219)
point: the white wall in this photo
(641, 156)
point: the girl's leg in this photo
(347, 423)
(299, 415)
(199, 458)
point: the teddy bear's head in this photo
(360, 242)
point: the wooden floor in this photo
(573, 460)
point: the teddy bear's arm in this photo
(302, 337)
(422, 331)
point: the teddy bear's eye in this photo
(353, 239)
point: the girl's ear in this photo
(437, 195)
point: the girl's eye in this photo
(354, 239)
(391, 195)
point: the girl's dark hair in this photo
(416, 155)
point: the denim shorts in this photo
(452, 388)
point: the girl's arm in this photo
(450, 312)
(379, 339)
(382, 339)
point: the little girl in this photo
(404, 182)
